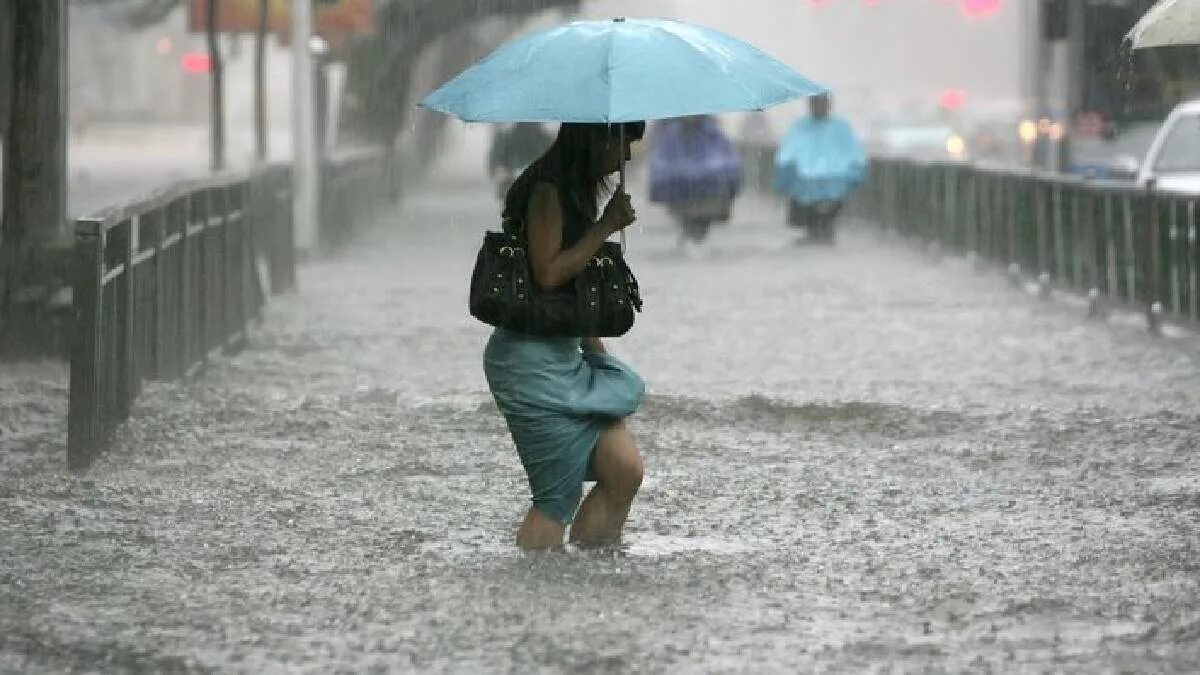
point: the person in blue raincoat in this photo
(819, 164)
(695, 171)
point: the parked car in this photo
(1114, 155)
(922, 140)
(1172, 163)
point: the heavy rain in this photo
(914, 385)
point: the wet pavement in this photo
(857, 461)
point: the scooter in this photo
(696, 216)
(819, 219)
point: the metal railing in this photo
(1115, 243)
(163, 283)
(354, 189)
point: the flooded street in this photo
(856, 461)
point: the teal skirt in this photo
(556, 400)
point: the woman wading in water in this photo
(565, 399)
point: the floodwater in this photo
(857, 461)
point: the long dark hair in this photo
(570, 162)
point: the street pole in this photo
(260, 95)
(35, 144)
(1035, 72)
(1076, 78)
(305, 197)
(217, 98)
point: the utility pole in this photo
(35, 147)
(260, 94)
(218, 87)
(1076, 77)
(1037, 60)
(305, 183)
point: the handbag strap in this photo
(519, 221)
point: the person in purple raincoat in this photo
(696, 172)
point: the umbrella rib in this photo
(720, 75)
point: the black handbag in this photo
(599, 302)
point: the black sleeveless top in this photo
(577, 216)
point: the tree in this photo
(35, 157)
(379, 67)
(139, 13)
(5, 58)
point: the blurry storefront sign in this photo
(331, 18)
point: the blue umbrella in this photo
(622, 70)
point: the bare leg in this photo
(618, 468)
(539, 532)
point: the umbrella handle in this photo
(621, 184)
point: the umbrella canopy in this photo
(622, 70)
(1170, 22)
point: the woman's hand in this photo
(618, 214)
(593, 345)
(552, 265)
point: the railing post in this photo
(937, 208)
(187, 293)
(1010, 220)
(282, 234)
(1173, 259)
(225, 322)
(897, 211)
(971, 239)
(1130, 250)
(984, 237)
(1092, 264)
(1043, 253)
(1112, 277)
(202, 281)
(1154, 272)
(951, 200)
(1060, 274)
(1083, 225)
(157, 228)
(83, 415)
(243, 243)
(1016, 215)
(1193, 262)
(124, 303)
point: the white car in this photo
(923, 142)
(1172, 163)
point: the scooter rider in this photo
(819, 164)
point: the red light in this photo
(978, 9)
(195, 62)
(952, 99)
